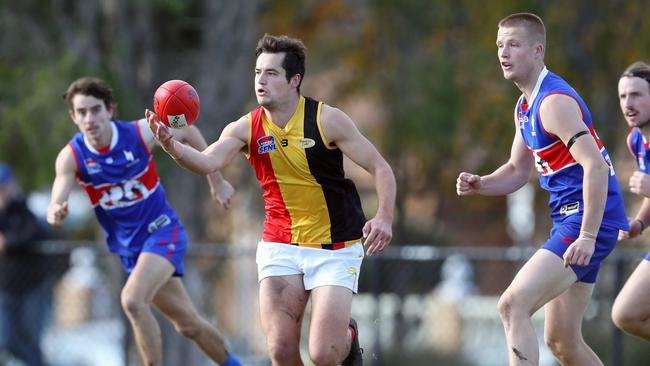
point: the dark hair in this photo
(638, 69)
(294, 53)
(531, 22)
(97, 88)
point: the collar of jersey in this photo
(540, 79)
(113, 140)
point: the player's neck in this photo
(101, 142)
(645, 129)
(527, 85)
(280, 113)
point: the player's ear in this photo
(539, 49)
(71, 114)
(295, 81)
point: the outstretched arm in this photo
(220, 189)
(64, 180)
(214, 158)
(339, 129)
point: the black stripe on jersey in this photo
(341, 196)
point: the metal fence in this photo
(417, 305)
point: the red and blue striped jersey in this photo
(123, 187)
(638, 146)
(558, 171)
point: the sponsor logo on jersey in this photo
(307, 143)
(570, 208)
(128, 155)
(160, 221)
(92, 166)
(266, 144)
(522, 119)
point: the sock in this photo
(232, 361)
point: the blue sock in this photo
(232, 361)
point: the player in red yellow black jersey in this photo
(314, 223)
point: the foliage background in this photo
(420, 78)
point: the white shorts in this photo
(319, 267)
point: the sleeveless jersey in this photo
(558, 171)
(308, 200)
(123, 187)
(638, 146)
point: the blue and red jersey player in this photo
(112, 161)
(124, 189)
(562, 176)
(640, 149)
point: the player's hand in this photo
(467, 184)
(580, 252)
(623, 235)
(377, 233)
(635, 230)
(640, 184)
(160, 132)
(57, 213)
(221, 191)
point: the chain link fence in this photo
(417, 305)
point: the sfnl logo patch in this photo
(266, 144)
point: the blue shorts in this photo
(169, 242)
(563, 234)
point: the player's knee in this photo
(622, 317)
(563, 348)
(282, 352)
(505, 307)
(132, 305)
(324, 355)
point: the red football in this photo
(176, 103)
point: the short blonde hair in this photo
(532, 23)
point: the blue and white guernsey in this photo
(124, 188)
(558, 171)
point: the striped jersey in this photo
(123, 187)
(638, 146)
(558, 171)
(308, 200)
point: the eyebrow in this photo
(98, 105)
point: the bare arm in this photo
(215, 157)
(220, 189)
(508, 178)
(64, 180)
(339, 129)
(561, 116)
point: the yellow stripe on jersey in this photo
(303, 196)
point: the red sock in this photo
(353, 333)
